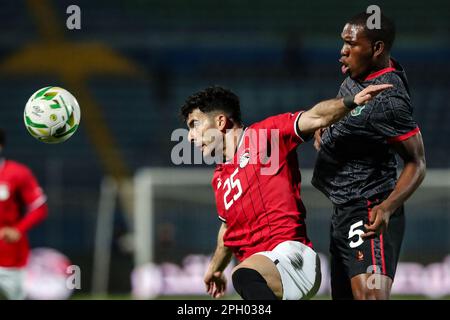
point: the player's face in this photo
(356, 53)
(204, 131)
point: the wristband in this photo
(349, 102)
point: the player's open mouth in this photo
(344, 67)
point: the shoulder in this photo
(17, 168)
(265, 123)
(348, 86)
(15, 165)
(397, 79)
(278, 121)
(395, 98)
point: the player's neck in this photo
(232, 138)
(383, 63)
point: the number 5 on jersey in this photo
(355, 232)
(231, 184)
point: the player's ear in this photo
(378, 48)
(221, 122)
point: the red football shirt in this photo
(20, 195)
(259, 199)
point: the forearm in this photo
(322, 115)
(32, 218)
(328, 112)
(222, 254)
(411, 177)
(220, 259)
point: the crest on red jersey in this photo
(244, 159)
(4, 192)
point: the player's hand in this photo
(379, 221)
(370, 92)
(318, 138)
(216, 284)
(10, 234)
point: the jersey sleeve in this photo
(287, 124)
(392, 118)
(31, 193)
(33, 199)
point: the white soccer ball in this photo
(52, 115)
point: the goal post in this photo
(146, 181)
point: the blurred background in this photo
(132, 64)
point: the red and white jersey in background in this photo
(260, 200)
(20, 194)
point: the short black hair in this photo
(213, 98)
(386, 33)
(2, 137)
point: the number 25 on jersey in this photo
(230, 185)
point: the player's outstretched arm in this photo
(214, 279)
(328, 112)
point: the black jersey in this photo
(356, 160)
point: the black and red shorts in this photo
(351, 255)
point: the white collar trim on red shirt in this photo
(241, 138)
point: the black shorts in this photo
(351, 255)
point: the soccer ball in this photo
(52, 115)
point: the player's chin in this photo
(356, 74)
(210, 149)
(352, 75)
(208, 153)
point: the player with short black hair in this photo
(262, 214)
(356, 167)
(386, 32)
(212, 99)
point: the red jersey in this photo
(259, 199)
(21, 201)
